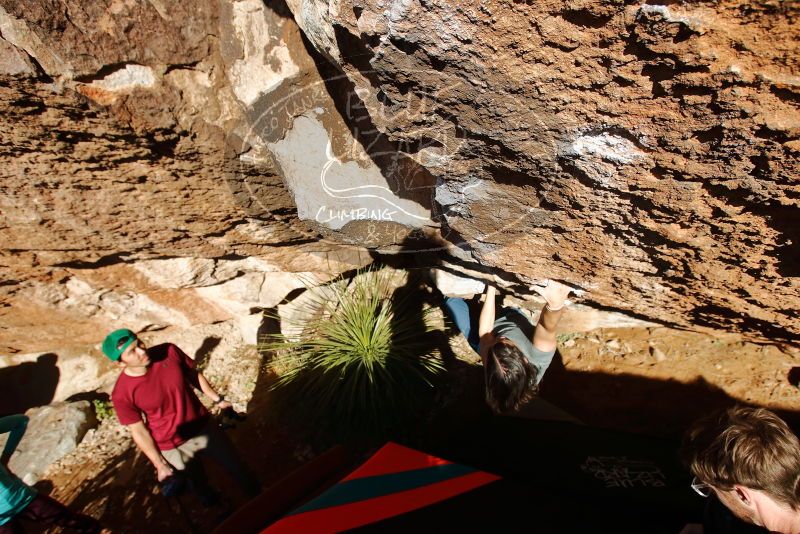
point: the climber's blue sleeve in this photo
(15, 425)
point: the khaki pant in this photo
(211, 443)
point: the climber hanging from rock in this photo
(514, 359)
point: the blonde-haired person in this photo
(750, 459)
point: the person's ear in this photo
(744, 495)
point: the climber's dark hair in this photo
(745, 446)
(510, 377)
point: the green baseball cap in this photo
(116, 342)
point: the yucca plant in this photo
(363, 358)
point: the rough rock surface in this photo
(53, 431)
(123, 202)
(645, 152)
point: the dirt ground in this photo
(647, 380)
(657, 380)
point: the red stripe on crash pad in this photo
(339, 518)
(394, 458)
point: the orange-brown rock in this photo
(644, 152)
(100, 204)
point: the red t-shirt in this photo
(164, 395)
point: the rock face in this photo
(122, 201)
(647, 153)
(177, 164)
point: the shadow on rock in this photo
(205, 350)
(663, 408)
(28, 384)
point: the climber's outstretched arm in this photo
(555, 293)
(486, 321)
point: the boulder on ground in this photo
(53, 431)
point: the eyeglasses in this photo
(702, 489)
